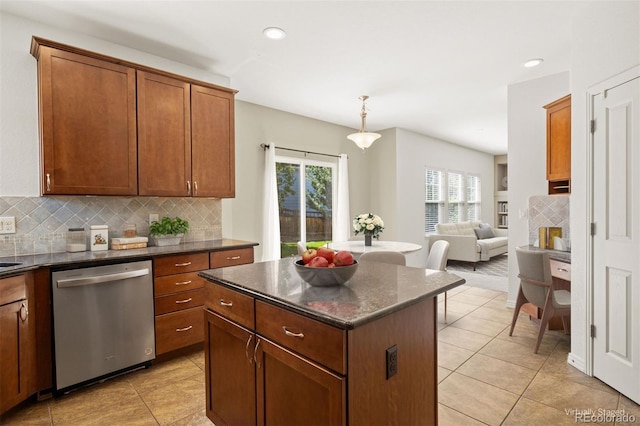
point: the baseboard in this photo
(576, 362)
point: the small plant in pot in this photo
(168, 231)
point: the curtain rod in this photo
(264, 146)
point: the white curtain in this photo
(343, 219)
(271, 225)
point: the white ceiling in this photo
(439, 68)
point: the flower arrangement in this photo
(368, 224)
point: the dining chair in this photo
(437, 259)
(393, 257)
(537, 287)
(301, 248)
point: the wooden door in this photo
(229, 372)
(88, 125)
(616, 243)
(164, 136)
(559, 139)
(294, 391)
(14, 354)
(212, 142)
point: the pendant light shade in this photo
(363, 138)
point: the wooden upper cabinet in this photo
(212, 142)
(164, 136)
(87, 125)
(559, 143)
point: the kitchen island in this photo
(279, 351)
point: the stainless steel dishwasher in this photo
(103, 321)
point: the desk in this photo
(358, 247)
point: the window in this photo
(305, 202)
(462, 200)
(434, 202)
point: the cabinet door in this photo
(292, 390)
(212, 142)
(88, 125)
(164, 136)
(229, 372)
(13, 354)
(559, 139)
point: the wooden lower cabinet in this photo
(251, 379)
(276, 371)
(17, 337)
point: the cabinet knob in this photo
(24, 312)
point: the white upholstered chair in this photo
(393, 257)
(301, 248)
(437, 259)
(537, 288)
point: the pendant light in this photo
(363, 138)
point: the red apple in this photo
(343, 258)
(308, 255)
(318, 262)
(327, 253)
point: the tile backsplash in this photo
(549, 210)
(42, 222)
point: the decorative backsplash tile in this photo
(549, 210)
(42, 222)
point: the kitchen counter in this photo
(375, 290)
(62, 259)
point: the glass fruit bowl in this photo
(325, 277)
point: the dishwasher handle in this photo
(97, 279)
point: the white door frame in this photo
(596, 89)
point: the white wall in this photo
(255, 124)
(19, 144)
(527, 170)
(605, 42)
(414, 152)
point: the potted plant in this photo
(168, 231)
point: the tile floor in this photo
(486, 377)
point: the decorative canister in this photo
(76, 240)
(99, 239)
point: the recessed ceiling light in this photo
(533, 62)
(274, 33)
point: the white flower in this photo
(371, 227)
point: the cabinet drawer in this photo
(317, 341)
(179, 329)
(560, 270)
(179, 301)
(13, 289)
(230, 304)
(222, 258)
(179, 264)
(178, 282)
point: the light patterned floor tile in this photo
(463, 338)
(514, 353)
(505, 375)
(451, 356)
(450, 417)
(476, 399)
(528, 412)
(470, 299)
(443, 373)
(503, 316)
(479, 325)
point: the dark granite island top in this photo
(375, 290)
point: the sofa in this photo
(471, 241)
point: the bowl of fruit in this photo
(325, 267)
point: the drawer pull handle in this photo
(223, 303)
(233, 258)
(24, 312)
(291, 333)
(255, 353)
(183, 264)
(184, 329)
(184, 282)
(246, 350)
(563, 270)
(184, 301)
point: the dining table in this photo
(358, 247)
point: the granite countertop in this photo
(562, 256)
(31, 262)
(375, 290)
